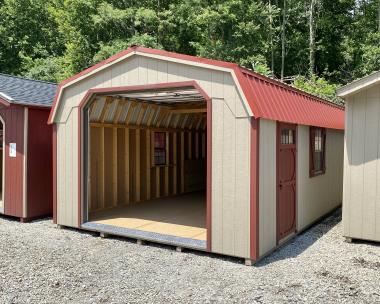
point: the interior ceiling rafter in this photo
(184, 109)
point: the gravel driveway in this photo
(42, 264)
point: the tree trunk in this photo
(283, 40)
(271, 35)
(312, 38)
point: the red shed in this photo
(25, 147)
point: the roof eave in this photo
(359, 85)
(34, 105)
(4, 102)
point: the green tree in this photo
(317, 86)
(27, 30)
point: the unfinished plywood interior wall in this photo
(142, 151)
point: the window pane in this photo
(318, 140)
(159, 157)
(318, 161)
(159, 148)
(159, 140)
(287, 137)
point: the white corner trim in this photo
(25, 164)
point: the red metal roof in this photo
(267, 98)
(277, 101)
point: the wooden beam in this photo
(101, 170)
(140, 116)
(119, 109)
(137, 166)
(92, 107)
(179, 111)
(151, 115)
(174, 163)
(105, 109)
(161, 118)
(203, 145)
(170, 116)
(130, 112)
(152, 148)
(184, 121)
(132, 127)
(147, 164)
(196, 145)
(158, 194)
(114, 166)
(176, 121)
(166, 185)
(127, 167)
(199, 122)
(182, 164)
(189, 146)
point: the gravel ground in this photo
(42, 264)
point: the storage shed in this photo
(361, 195)
(25, 147)
(193, 152)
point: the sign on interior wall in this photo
(12, 150)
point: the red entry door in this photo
(286, 179)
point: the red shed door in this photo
(286, 179)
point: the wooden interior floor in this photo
(182, 216)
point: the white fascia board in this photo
(7, 97)
(359, 85)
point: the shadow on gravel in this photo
(304, 240)
(9, 218)
(172, 248)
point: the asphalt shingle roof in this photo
(26, 91)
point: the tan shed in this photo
(193, 152)
(361, 195)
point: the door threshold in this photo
(147, 236)
(287, 238)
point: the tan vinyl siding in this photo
(230, 181)
(361, 204)
(267, 186)
(318, 195)
(231, 142)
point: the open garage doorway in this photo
(147, 165)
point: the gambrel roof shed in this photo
(265, 97)
(193, 152)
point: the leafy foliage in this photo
(317, 86)
(53, 39)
